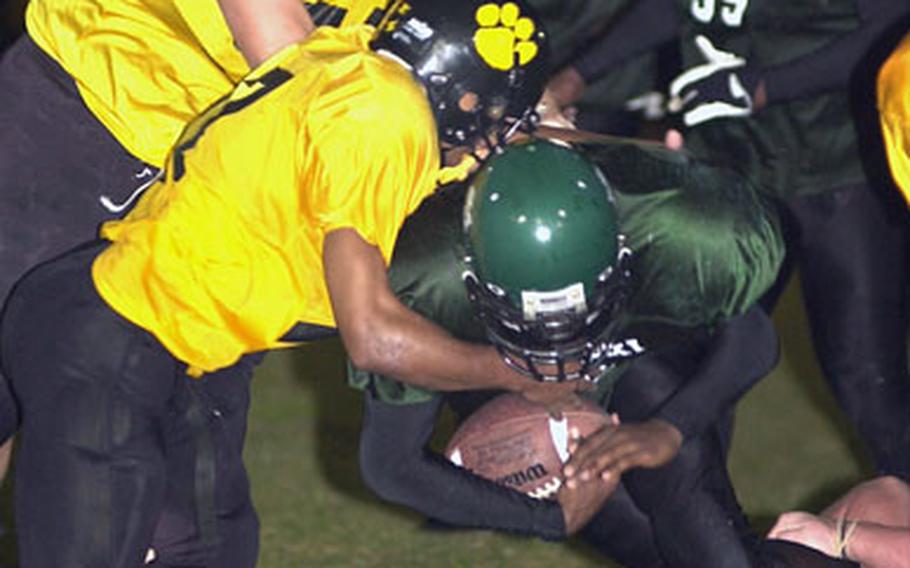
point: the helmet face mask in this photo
(473, 86)
(568, 343)
(548, 272)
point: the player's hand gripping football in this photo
(610, 451)
(582, 501)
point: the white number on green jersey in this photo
(731, 11)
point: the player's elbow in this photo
(386, 482)
(359, 338)
(388, 477)
(359, 352)
(373, 344)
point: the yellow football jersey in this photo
(894, 110)
(146, 67)
(224, 255)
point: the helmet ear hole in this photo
(469, 102)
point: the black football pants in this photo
(695, 517)
(57, 162)
(120, 450)
(851, 253)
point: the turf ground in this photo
(789, 452)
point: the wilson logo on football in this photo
(504, 36)
(533, 473)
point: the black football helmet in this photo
(483, 63)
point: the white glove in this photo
(713, 90)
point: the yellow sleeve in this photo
(374, 166)
(894, 111)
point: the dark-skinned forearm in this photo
(402, 344)
(382, 335)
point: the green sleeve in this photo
(706, 246)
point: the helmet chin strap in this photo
(528, 123)
(496, 140)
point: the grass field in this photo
(788, 453)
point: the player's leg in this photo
(622, 532)
(690, 501)
(57, 165)
(208, 517)
(95, 395)
(852, 256)
(696, 517)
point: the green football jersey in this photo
(705, 247)
(787, 149)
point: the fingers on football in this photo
(596, 453)
(611, 452)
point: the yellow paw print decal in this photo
(504, 34)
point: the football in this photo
(516, 443)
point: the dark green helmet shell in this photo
(545, 258)
(540, 217)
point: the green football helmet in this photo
(547, 267)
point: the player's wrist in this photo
(760, 96)
(844, 531)
(502, 376)
(669, 442)
(672, 433)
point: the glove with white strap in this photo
(722, 87)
